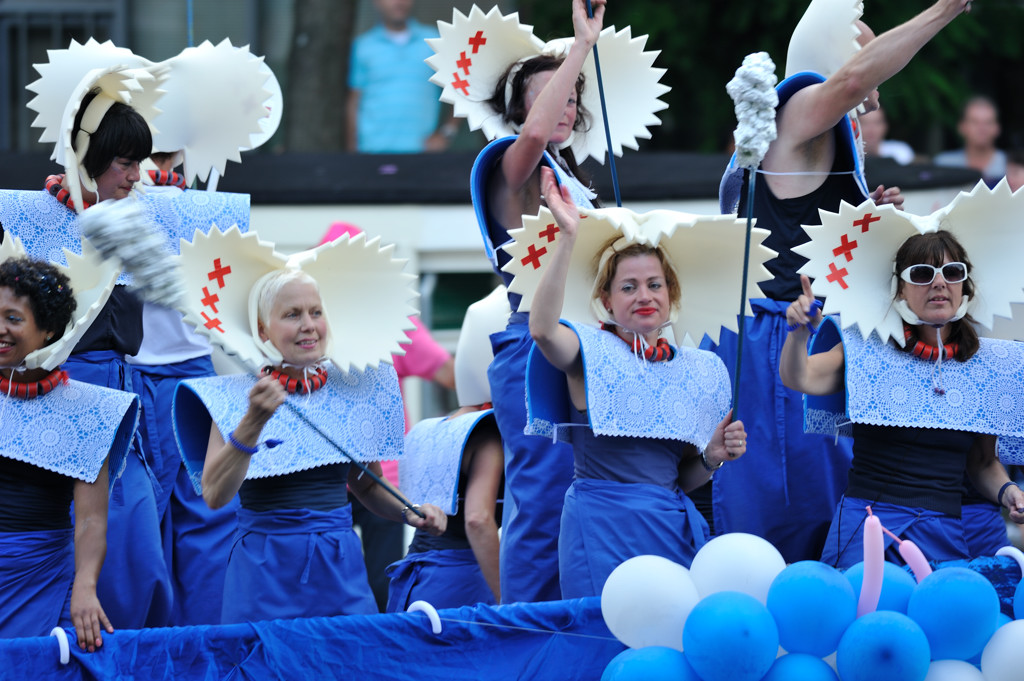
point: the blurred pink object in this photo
(338, 229)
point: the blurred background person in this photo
(874, 127)
(979, 129)
(393, 108)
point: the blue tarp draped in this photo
(559, 640)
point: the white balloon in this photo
(737, 562)
(953, 670)
(1003, 657)
(646, 600)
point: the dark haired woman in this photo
(911, 444)
(58, 441)
(543, 104)
(136, 587)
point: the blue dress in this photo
(46, 444)
(294, 552)
(796, 478)
(642, 423)
(537, 472)
(442, 571)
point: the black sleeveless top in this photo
(33, 499)
(323, 488)
(916, 467)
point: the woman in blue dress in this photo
(295, 553)
(913, 440)
(59, 443)
(628, 497)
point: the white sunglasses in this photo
(924, 275)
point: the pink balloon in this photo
(915, 559)
(874, 565)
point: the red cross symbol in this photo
(846, 248)
(865, 222)
(460, 84)
(219, 273)
(477, 41)
(210, 299)
(464, 63)
(213, 323)
(835, 274)
(548, 233)
(533, 256)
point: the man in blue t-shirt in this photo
(393, 108)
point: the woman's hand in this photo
(586, 28)
(559, 202)
(892, 195)
(802, 310)
(435, 522)
(88, 617)
(728, 443)
(1013, 499)
(265, 397)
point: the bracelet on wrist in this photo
(1002, 491)
(707, 466)
(405, 518)
(245, 449)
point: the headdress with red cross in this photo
(367, 298)
(706, 250)
(473, 52)
(851, 259)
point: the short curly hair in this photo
(47, 289)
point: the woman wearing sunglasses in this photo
(911, 476)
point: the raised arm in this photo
(87, 614)
(520, 160)
(485, 467)
(226, 464)
(816, 109)
(559, 344)
(820, 374)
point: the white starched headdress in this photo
(367, 298)
(214, 106)
(706, 250)
(473, 353)
(473, 52)
(851, 259)
(70, 75)
(825, 37)
(92, 280)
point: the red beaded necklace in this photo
(926, 351)
(27, 391)
(301, 386)
(662, 351)
(166, 178)
(54, 187)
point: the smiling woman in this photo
(914, 448)
(50, 559)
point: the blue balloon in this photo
(1003, 619)
(653, 663)
(897, 585)
(730, 636)
(958, 609)
(800, 667)
(883, 646)
(1018, 602)
(812, 604)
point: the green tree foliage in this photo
(702, 43)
